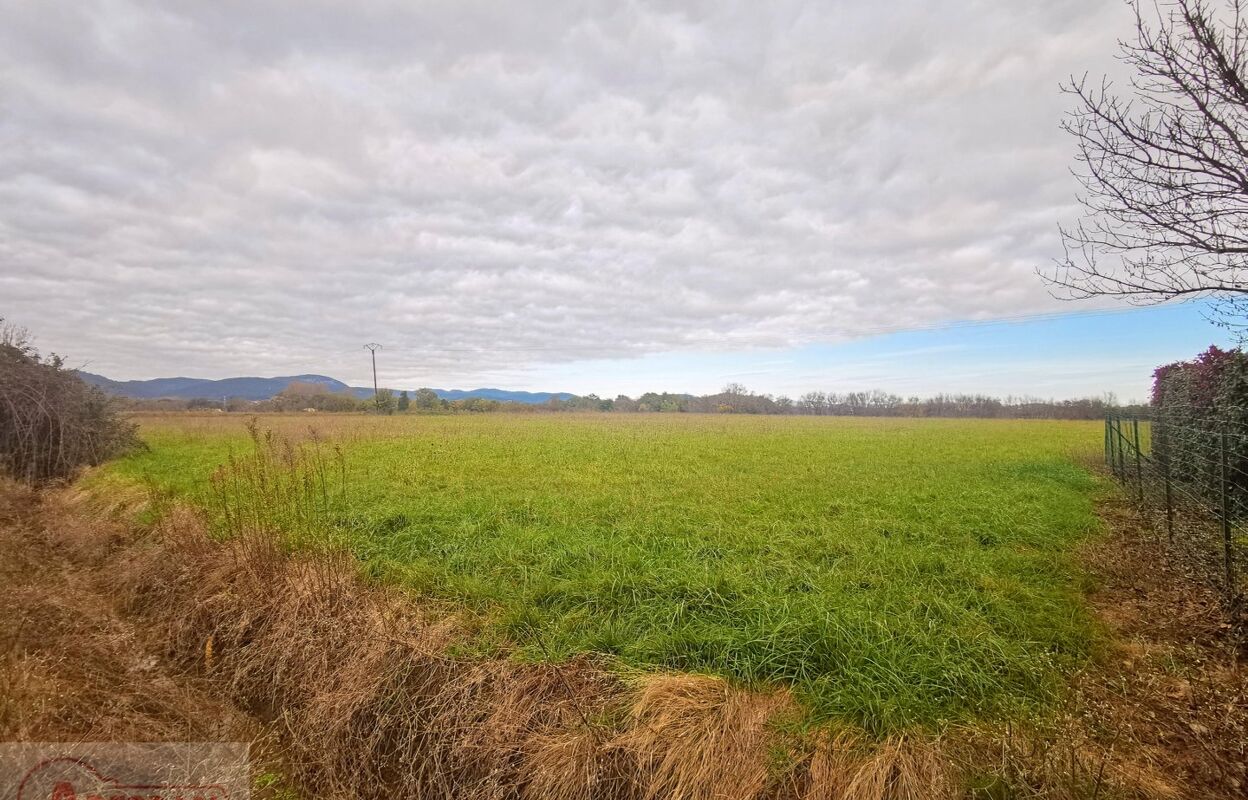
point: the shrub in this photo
(299, 395)
(427, 399)
(51, 422)
(1200, 408)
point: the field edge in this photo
(355, 681)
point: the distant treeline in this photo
(736, 399)
(733, 399)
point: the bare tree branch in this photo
(1165, 169)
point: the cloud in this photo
(261, 187)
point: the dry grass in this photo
(1174, 689)
(698, 738)
(71, 669)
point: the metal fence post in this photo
(1122, 452)
(1139, 472)
(1113, 449)
(1165, 471)
(1108, 458)
(1114, 445)
(1226, 520)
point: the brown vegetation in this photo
(51, 423)
(1175, 689)
(71, 668)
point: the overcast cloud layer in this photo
(226, 187)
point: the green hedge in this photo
(1200, 407)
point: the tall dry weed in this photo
(280, 486)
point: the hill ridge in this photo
(261, 388)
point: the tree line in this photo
(736, 399)
(732, 399)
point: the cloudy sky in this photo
(567, 196)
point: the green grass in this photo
(894, 573)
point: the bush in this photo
(427, 399)
(1200, 407)
(51, 422)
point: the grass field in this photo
(894, 573)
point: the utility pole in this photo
(373, 347)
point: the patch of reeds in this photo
(280, 487)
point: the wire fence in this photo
(1189, 475)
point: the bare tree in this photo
(1165, 169)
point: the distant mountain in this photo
(500, 394)
(503, 395)
(264, 388)
(189, 388)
